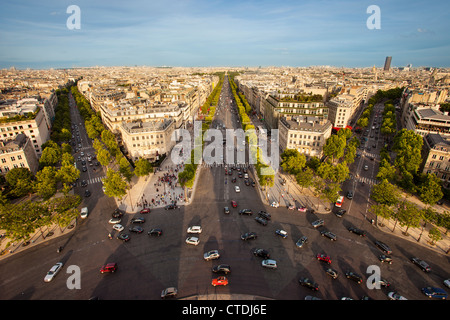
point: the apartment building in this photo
(304, 133)
(148, 139)
(436, 157)
(424, 119)
(17, 152)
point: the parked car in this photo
(144, 211)
(300, 242)
(169, 293)
(332, 273)
(353, 276)
(84, 213)
(221, 268)
(136, 229)
(137, 220)
(269, 263)
(349, 195)
(433, 292)
(117, 213)
(114, 220)
(301, 209)
(220, 281)
(383, 247)
(261, 253)
(192, 240)
(226, 210)
(155, 232)
(357, 231)
(194, 229)
(211, 255)
(308, 283)
(395, 296)
(109, 268)
(384, 258)
(422, 264)
(233, 203)
(261, 220)
(246, 211)
(124, 237)
(87, 193)
(53, 272)
(264, 215)
(317, 223)
(237, 189)
(118, 227)
(330, 235)
(340, 213)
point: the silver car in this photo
(269, 263)
(211, 255)
(53, 272)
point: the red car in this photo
(323, 257)
(146, 210)
(233, 203)
(220, 281)
(109, 267)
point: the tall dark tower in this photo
(387, 63)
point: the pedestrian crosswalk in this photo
(91, 181)
(369, 181)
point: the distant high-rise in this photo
(387, 63)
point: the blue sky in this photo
(223, 33)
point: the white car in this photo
(269, 263)
(114, 220)
(237, 189)
(194, 229)
(192, 240)
(118, 227)
(395, 296)
(84, 212)
(53, 272)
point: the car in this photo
(144, 211)
(300, 242)
(117, 213)
(317, 223)
(114, 220)
(170, 292)
(233, 203)
(447, 283)
(137, 220)
(357, 231)
(84, 169)
(84, 213)
(383, 283)
(422, 264)
(246, 211)
(155, 232)
(237, 189)
(87, 193)
(110, 267)
(274, 204)
(330, 235)
(433, 292)
(124, 237)
(269, 263)
(211, 255)
(118, 227)
(383, 247)
(349, 195)
(226, 210)
(366, 167)
(290, 206)
(261, 220)
(264, 215)
(340, 213)
(282, 233)
(170, 207)
(84, 183)
(261, 253)
(194, 229)
(308, 283)
(395, 296)
(339, 201)
(332, 273)
(220, 281)
(249, 236)
(192, 240)
(323, 257)
(384, 258)
(221, 268)
(53, 272)
(301, 209)
(353, 276)
(136, 229)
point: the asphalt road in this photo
(149, 264)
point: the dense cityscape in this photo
(234, 183)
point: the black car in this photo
(117, 213)
(385, 258)
(155, 232)
(138, 220)
(300, 242)
(261, 220)
(87, 193)
(170, 207)
(383, 247)
(353, 276)
(340, 213)
(222, 268)
(124, 237)
(84, 183)
(249, 236)
(306, 282)
(261, 253)
(332, 273)
(421, 264)
(264, 215)
(136, 229)
(329, 235)
(246, 211)
(357, 231)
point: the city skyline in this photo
(202, 33)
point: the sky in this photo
(203, 33)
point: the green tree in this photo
(409, 215)
(435, 235)
(408, 146)
(20, 181)
(385, 193)
(115, 184)
(142, 167)
(431, 190)
(104, 157)
(125, 168)
(50, 156)
(305, 177)
(292, 161)
(45, 184)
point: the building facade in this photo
(18, 152)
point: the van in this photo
(339, 201)
(84, 212)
